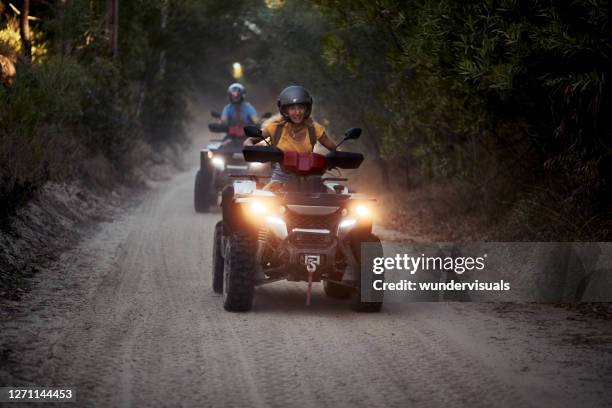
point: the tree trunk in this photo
(63, 43)
(24, 30)
(164, 23)
(112, 10)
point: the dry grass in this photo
(436, 212)
(513, 206)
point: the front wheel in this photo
(201, 191)
(239, 273)
(218, 261)
(360, 294)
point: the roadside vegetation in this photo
(93, 89)
(500, 107)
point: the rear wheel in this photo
(336, 291)
(239, 271)
(200, 191)
(360, 294)
(218, 261)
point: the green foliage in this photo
(78, 102)
(45, 94)
(34, 114)
(513, 88)
(491, 92)
(299, 45)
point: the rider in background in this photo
(293, 130)
(237, 114)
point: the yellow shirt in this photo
(291, 141)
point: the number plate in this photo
(306, 259)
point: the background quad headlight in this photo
(218, 162)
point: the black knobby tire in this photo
(239, 272)
(228, 209)
(356, 302)
(201, 193)
(336, 291)
(217, 260)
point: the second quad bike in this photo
(218, 161)
(311, 231)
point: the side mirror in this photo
(216, 115)
(253, 131)
(352, 133)
(267, 115)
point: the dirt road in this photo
(129, 319)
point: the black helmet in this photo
(236, 92)
(294, 95)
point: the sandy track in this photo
(129, 318)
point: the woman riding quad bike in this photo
(301, 226)
(293, 130)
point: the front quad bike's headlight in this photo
(218, 162)
(257, 209)
(362, 211)
(256, 165)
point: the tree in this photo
(112, 7)
(24, 30)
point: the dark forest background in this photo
(506, 101)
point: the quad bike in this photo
(217, 161)
(310, 231)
